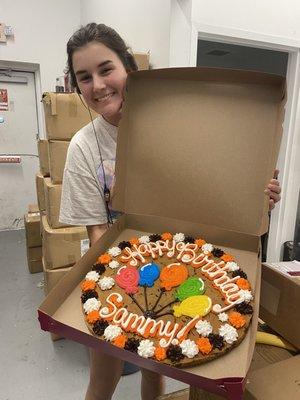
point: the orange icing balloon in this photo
(173, 275)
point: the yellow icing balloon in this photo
(193, 306)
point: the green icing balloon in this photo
(191, 287)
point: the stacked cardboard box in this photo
(142, 60)
(62, 245)
(33, 239)
(65, 114)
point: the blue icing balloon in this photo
(148, 274)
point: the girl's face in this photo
(101, 78)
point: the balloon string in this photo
(131, 295)
(167, 313)
(162, 290)
(167, 305)
(145, 295)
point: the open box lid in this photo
(211, 137)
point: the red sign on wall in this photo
(3, 100)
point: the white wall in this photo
(143, 24)
(272, 21)
(261, 23)
(42, 28)
(268, 17)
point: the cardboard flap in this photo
(70, 102)
(50, 99)
(200, 145)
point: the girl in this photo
(98, 63)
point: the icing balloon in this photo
(193, 306)
(173, 275)
(148, 274)
(191, 287)
(128, 278)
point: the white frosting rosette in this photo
(91, 304)
(92, 276)
(146, 348)
(245, 295)
(189, 348)
(106, 283)
(112, 332)
(179, 237)
(223, 317)
(114, 264)
(207, 248)
(229, 333)
(232, 266)
(114, 251)
(204, 328)
(144, 239)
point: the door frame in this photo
(35, 69)
(283, 217)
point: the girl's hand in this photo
(273, 190)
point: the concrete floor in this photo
(32, 366)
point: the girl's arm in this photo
(95, 232)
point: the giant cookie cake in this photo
(171, 298)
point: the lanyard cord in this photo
(106, 191)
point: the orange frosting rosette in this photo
(120, 341)
(243, 284)
(88, 285)
(227, 257)
(133, 241)
(200, 242)
(204, 345)
(93, 316)
(104, 259)
(160, 353)
(166, 236)
(236, 319)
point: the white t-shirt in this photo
(82, 201)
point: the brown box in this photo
(43, 150)
(65, 114)
(57, 153)
(276, 381)
(53, 276)
(34, 259)
(52, 203)
(263, 356)
(40, 193)
(62, 247)
(200, 167)
(33, 208)
(32, 229)
(280, 299)
(142, 60)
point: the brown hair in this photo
(103, 34)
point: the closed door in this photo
(18, 132)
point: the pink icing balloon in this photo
(128, 278)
